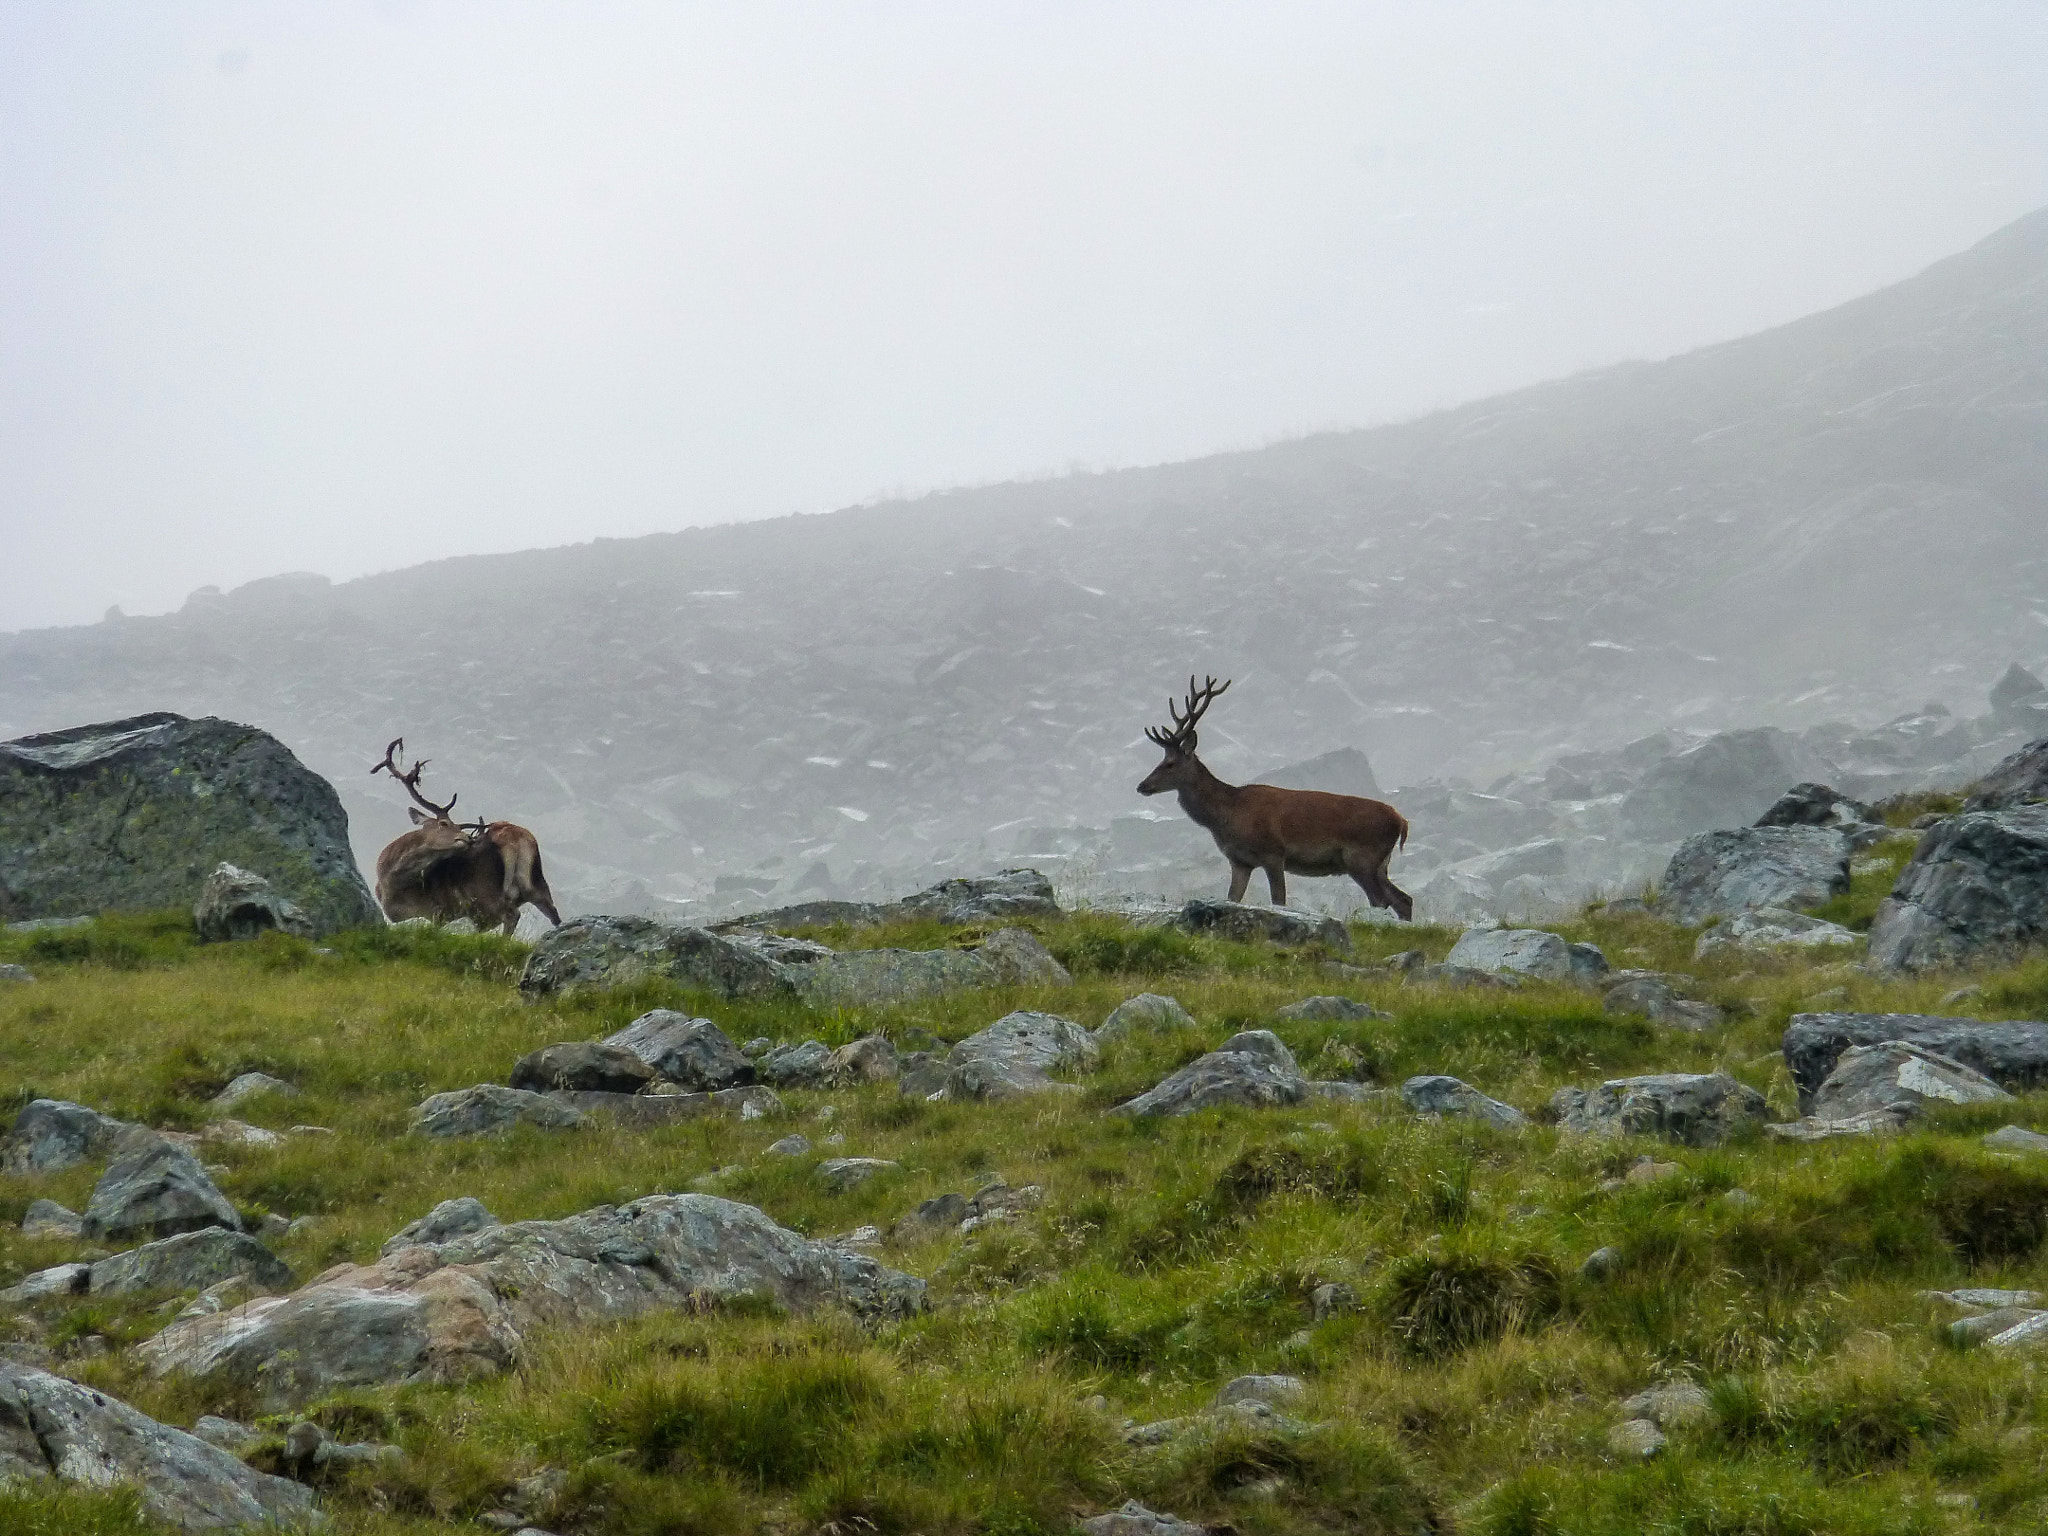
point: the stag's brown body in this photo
(443, 869)
(1281, 831)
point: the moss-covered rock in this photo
(133, 815)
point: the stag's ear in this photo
(419, 818)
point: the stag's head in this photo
(1178, 767)
(435, 823)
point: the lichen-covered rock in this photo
(2020, 779)
(1253, 1069)
(53, 1428)
(1976, 890)
(50, 1135)
(1657, 1000)
(1697, 1109)
(153, 1188)
(1437, 1095)
(190, 1261)
(1276, 925)
(839, 1174)
(1326, 1010)
(808, 1065)
(443, 1224)
(649, 1111)
(46, 1218)
(870, 1059)
(457, 1309)
(2013, 1053)
(1527, 952)
(582, 1066)
(1016, 1054)
(488, 1109)
(600, 952)
(237, 903)
(1021, 961)
(1764, 930)
(133, 815)
(1718, 874)
(1148, 1012)
(247, 1086)
(693, 1052)
(1868, 1078)
(875, 978)
(1010, 893)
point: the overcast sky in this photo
(314, 285)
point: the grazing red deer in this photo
(1282, 831)
(445, 870)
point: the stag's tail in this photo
(543, 897)
(1402, 840)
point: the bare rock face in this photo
(1526, 952)
(237, 903)
(154, 1188)
(617, 951)
(456, 1309)
(2012, 1053)
(191, 1261)
(1253, 1069)
(1869, 1078)
(53, 1428)
(1016, 1054)
(1276, 925)
(1719, 874)
(1696, 1109)
(1977, 889)
(582, 1066)
(54, 1134)
(133, 815)
(2021, 779)
(693, 1052)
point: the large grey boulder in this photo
(597, 952)
(53, 1428)
(2021, 779)
(1253, 1069)
(1019, 960)
(1011, 893)
(50, 1135)
(1697, 1109)
(581, 1066)
(237, 903)
(2012, 1053)
(878, 978)
(1718, 874)
(1447, 1096)
(1147, 1013)
(1868, 1078)
(1276, 925)
(133, 815)
(1526, 952)
(1976, 890)
(489, 1109)
(1016, 1055)
(153, 1188)
(1772, 930)
(808, 1065)
(457, 1309)
(1728, 780)
(191, 1261)
(693, 1052)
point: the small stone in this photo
(1134, 1519)
(1148, 1013)
(1332, 1300)
(1670, 1406)
(273, 1227)
(1601, 1264)
(1319, 1010)
(46, 1218)
(1260, 1389)
(16, 973)
(840, 1174)
(760, 1045)
(1635, 1439)
(2013, 1138)
(1645, 1171)
(790, 1146)
(1740, 1199)
(247, 1086)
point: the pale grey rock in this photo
(1975, 891)
(53, 1428)
(225, 1433)
(237, 903)
(1658, 1001)
(582, 1066)
(1437, 1095)
(1134, 1519)
(840, 1174)
(1692, 1108)
(1887, 1121)
(50, 1135)
(1017, 1055)
(798, 1066)
(46, 1218)
(2017, 780)
(1019, 960)
(58, 1280)
(600, 952)
(1271, 1390)
(2013, 1138)
(1462, 976)
(1317, 1010)
(1276, 925)
(16, 973)
(692, 1052)
(1635, 1439)
(246, 1087)
(1767, 930)
(1332, 1299)
(1673, 1405)
(1148, 1012)
(2012, 1053)
(870, 1059)
(190, 1261)
(652, 1110)
(876, 978)
(793, 1145)
(1010, 893)
(443, 1224)
(456, 1310)
(490, 1109)
(1981, 1298)
(1719, 874)
(2025, 1333)
(1253, 1069)
(1981, 1326)
(1528, 952)
(153, 1188)
(1869, 1078)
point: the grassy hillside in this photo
(1471, 1389)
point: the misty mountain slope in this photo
(1839, 518)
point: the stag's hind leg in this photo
(1371, 876)
(1240, 877)
(1276, 883)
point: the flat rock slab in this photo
(875, 978)
(1772, 930)
(1134, 1519)
(1528, 952)
(1010, 894)
(1328, 1010)
(2013, 1138)
(488, 1110)
(53, 1428)
(1437, 1095)
(1253, 1070)
(454, 1310)
(1976, 890)
(2012, 1053)
(1875, 1078)
(600, 952)
(1693, 1108)
(190, 1261)
(651, 1111)
(1888, 1121)
(51, 1135)
(1276, 925)
(1718, 874)
(153, 1188)
(131, 815)
(693, 1052)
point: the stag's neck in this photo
(1207, 799)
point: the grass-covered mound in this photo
(1465, 1378)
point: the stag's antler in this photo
(411, 778)
(1183, 733)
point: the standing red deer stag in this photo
(445, 870)
(1282, 831)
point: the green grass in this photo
(1471, 1388)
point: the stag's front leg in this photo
(1276, 882)
(1240, 877)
